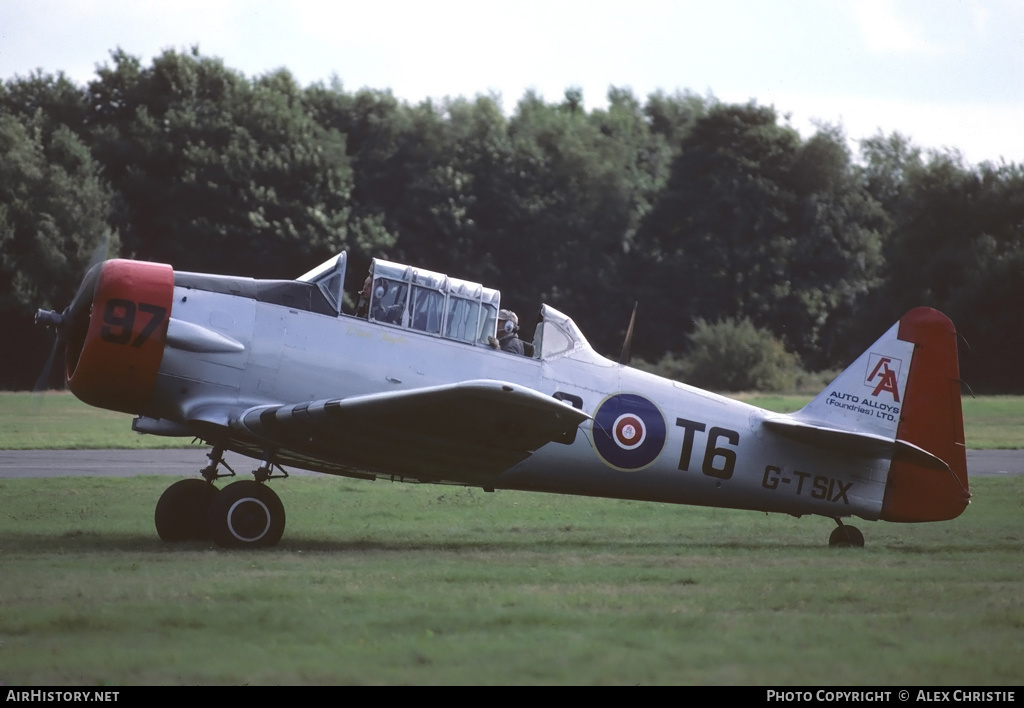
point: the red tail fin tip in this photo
(931, 418)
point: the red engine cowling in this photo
(114, 363)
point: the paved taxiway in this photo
(188, 462)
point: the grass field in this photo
(60, 421)
(380, 583)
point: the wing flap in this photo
(466, 432)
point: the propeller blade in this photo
(99, 253)
(43, 382)
(74, 320)
(88, 286)
(83, 298)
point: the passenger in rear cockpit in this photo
(371, 302)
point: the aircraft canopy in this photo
(432, 302)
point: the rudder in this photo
(932, 419)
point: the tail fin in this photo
(905, 389)
(932, 418)
(869, 396)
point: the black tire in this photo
(246, 514)
(846, 537)
(182, 510)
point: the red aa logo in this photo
(883, 375)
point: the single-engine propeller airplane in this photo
(412, 389)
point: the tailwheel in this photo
(846, 537)
(182, 510)
(246, 514)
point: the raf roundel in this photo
(629, 431)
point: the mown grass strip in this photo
(380, 583)
(59, 421)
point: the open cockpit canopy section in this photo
(557, 335)
(433, 303)
(329, 277)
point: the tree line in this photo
(702, 211)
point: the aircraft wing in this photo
(466, 432)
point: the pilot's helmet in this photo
(510, 320)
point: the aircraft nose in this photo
(114, 363)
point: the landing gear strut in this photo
(182, 509)
(245, 514)
(846, 536)
(248, 513)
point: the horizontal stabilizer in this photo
(855, 442)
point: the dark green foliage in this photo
(54, 211)
(561, 200)
(757, 223)
(218, 172)
(733, 355)
(695, 208)
(956, 244)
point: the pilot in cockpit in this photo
(375, 305)
(363, 306)
(508, 331)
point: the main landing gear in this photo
(244, 514)
(181, 511)
(846, 536)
